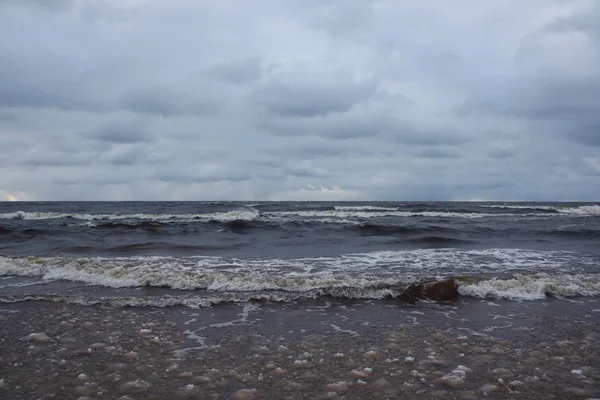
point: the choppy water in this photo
(199, 254)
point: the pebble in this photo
(98, 346)
(40, 337)
(245, 394)
(202, 379)
(130, 355)
(454, 379)
(137, 386)
(489, 387)
(82, 390)
(370, 355)
(501, 372)
(339, 387)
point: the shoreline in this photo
(306, 350)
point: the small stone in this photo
(489, 388)
(40, 337)
(370, 355)
(186, 375)
(130, 355)
(578, 392)
(382, 383)
(116, 366)
(501, 372)
(301, 364)
(339, 387)
(137, 386)
(202, 379)
(82, 390)
(245, 394)
(515, 384)
(98, 346)
(125, 398)
(454, 379)
(187, 391)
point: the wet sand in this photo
(470, 349)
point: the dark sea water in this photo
(199, 254)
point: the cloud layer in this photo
(299, 100)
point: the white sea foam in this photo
(353, 213)
(246, 214)
(534, 287)
(582, 210)
(520, 207)
(339, 214)
(520, 274)
(365, 208)
(587, 210)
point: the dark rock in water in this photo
(432, 290)
(238, 224)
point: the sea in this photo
(203, 254)
(300, 300)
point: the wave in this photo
(392, 230)
(499, 273)
(372, 214)
(520, 207)
(242, 214)
(587, 210)
(517, 288)
(438, 241)
(364, 208)
(581, 210)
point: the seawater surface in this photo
(199, 254)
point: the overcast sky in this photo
(300, 100)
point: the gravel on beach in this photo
(68, 351)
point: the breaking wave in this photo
(582, 210)
(587, 210)
(498, 273)
(242, 214)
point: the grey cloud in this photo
(8, 116)
(238, 72)
(311, 98)
(304, 99)
(438, 153)
(123, 133)
(50, 5)
(168, 102)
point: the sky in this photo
(300, 100)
